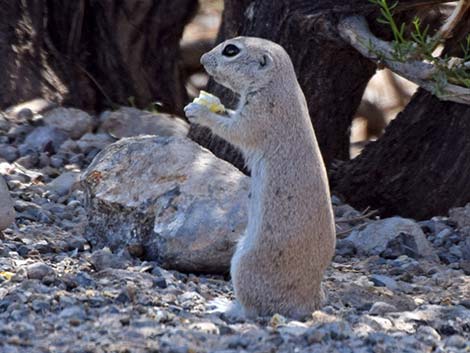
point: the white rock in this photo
(7, 211)
(128, 122)
(74, 121)
(373, 240)
(185, 206)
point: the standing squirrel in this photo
(279, 263)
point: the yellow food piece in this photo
(210, 101)
(7, 275)
(277, 320)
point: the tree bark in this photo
(419, 168)
(93, 53)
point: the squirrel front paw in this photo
(196, 112)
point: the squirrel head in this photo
(245, 64)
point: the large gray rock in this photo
(7, 212)
(75, 122)
(186, 207)
(128, 122)
(392, 237)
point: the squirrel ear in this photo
(265, 61)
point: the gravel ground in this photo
(59, 295)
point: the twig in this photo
(445, 31)
(355, 31)
(406, 7)
(347, 231)
(358, 218)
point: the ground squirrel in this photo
(279, 263)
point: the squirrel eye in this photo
(230, 50)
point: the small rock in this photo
(89, 142)
(377, 322)
(75, 312)
(465, 266)
(314, 335)
(7, 211)
(381, 308)
(460, 215)
(104, 258)
(136, 250)
(345, 247)
(64, 183)
(393, 236)
(83, 279)
(456, 341)
(9, 153)
(384, 281)
(465, 246)
(29, 161)
(39, 270)
(346, 212)
(57, 161)
(45, 139)
(442, 236)
(18, 132)
(428, 334)
(160, 282)
(73, 121)
(4, 123)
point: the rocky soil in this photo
(395, 285)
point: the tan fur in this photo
(290, 237)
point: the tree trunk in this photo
(419, 168)
(93, 53)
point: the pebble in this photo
(384, 281)
(104, 258)
(45, 138)
(457, 341)
(381, 308)
(39, 270)
(8, 152)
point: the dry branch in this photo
(355, 31)
(446, 30)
